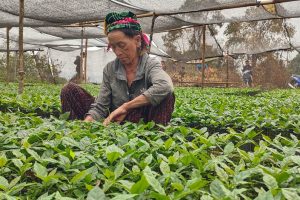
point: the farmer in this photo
(75, 78)
(134, 85)
(247, 74)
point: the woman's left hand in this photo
(117, 115)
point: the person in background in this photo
(75, 78)
(134, 85)
(182, 74)
(247, 74)
(163, 65)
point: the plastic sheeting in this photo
(45, 16)
(63, 11)
(96, 61)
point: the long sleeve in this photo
(160, 81)
(100, 109)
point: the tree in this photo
(36, 67)
(257, 37)
(186, 44)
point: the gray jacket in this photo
(151, 80)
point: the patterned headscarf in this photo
(123, 20)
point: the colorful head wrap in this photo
(123, 20)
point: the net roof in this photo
(46, 20)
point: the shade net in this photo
(186, 44)
(242, 29)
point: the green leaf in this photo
(8, 197)
(126, 184)
(164, 167)
(68, 141)
(264, 196)
(78, 177)
(3, 159)
(40, 170)
(17, 162)
(186, 159)
(3, 183)
(270, 181)
(228, 148)
(119, 169)
(113, 153)
(14, 181)
(296, 159)
(124, 196)
(148, 159)
(290, 193)
(282, 177)
(64, 116)
(34, 154)
(64, 161)
(108, 173)
(221, 173)
(158, 196)
(177, 186)
(152, 181)
(46, 196)
(241, 176)
(108, 183)
(96, 194)
(250, 133)
(168, 143)
(135, 169)
(140, 186)
(196, 183)
(184, 130)
(218, 190)
(59, 197)
(244, 155)
(72, 154)
(206, 197)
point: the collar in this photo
(120, 71)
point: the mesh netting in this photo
(72, 32)
(170, 6)
(186, 44)
(240, 30)
(64, 12)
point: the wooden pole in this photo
(85, 59)
(203, 54)
(152, 30)
(50, 67)
(14, 68)
(227, 70)
(8, 66)
(21, 52)
(81, 58)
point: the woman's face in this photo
(124, 47)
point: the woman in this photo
(134, 85)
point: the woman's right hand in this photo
(88, 119)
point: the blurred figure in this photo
(77, 63)
(247, 74)
(294, 81)
(163, 65)
(75, 78)
(182, 73)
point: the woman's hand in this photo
(120, 113)
(88, 119)
(117, 115)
